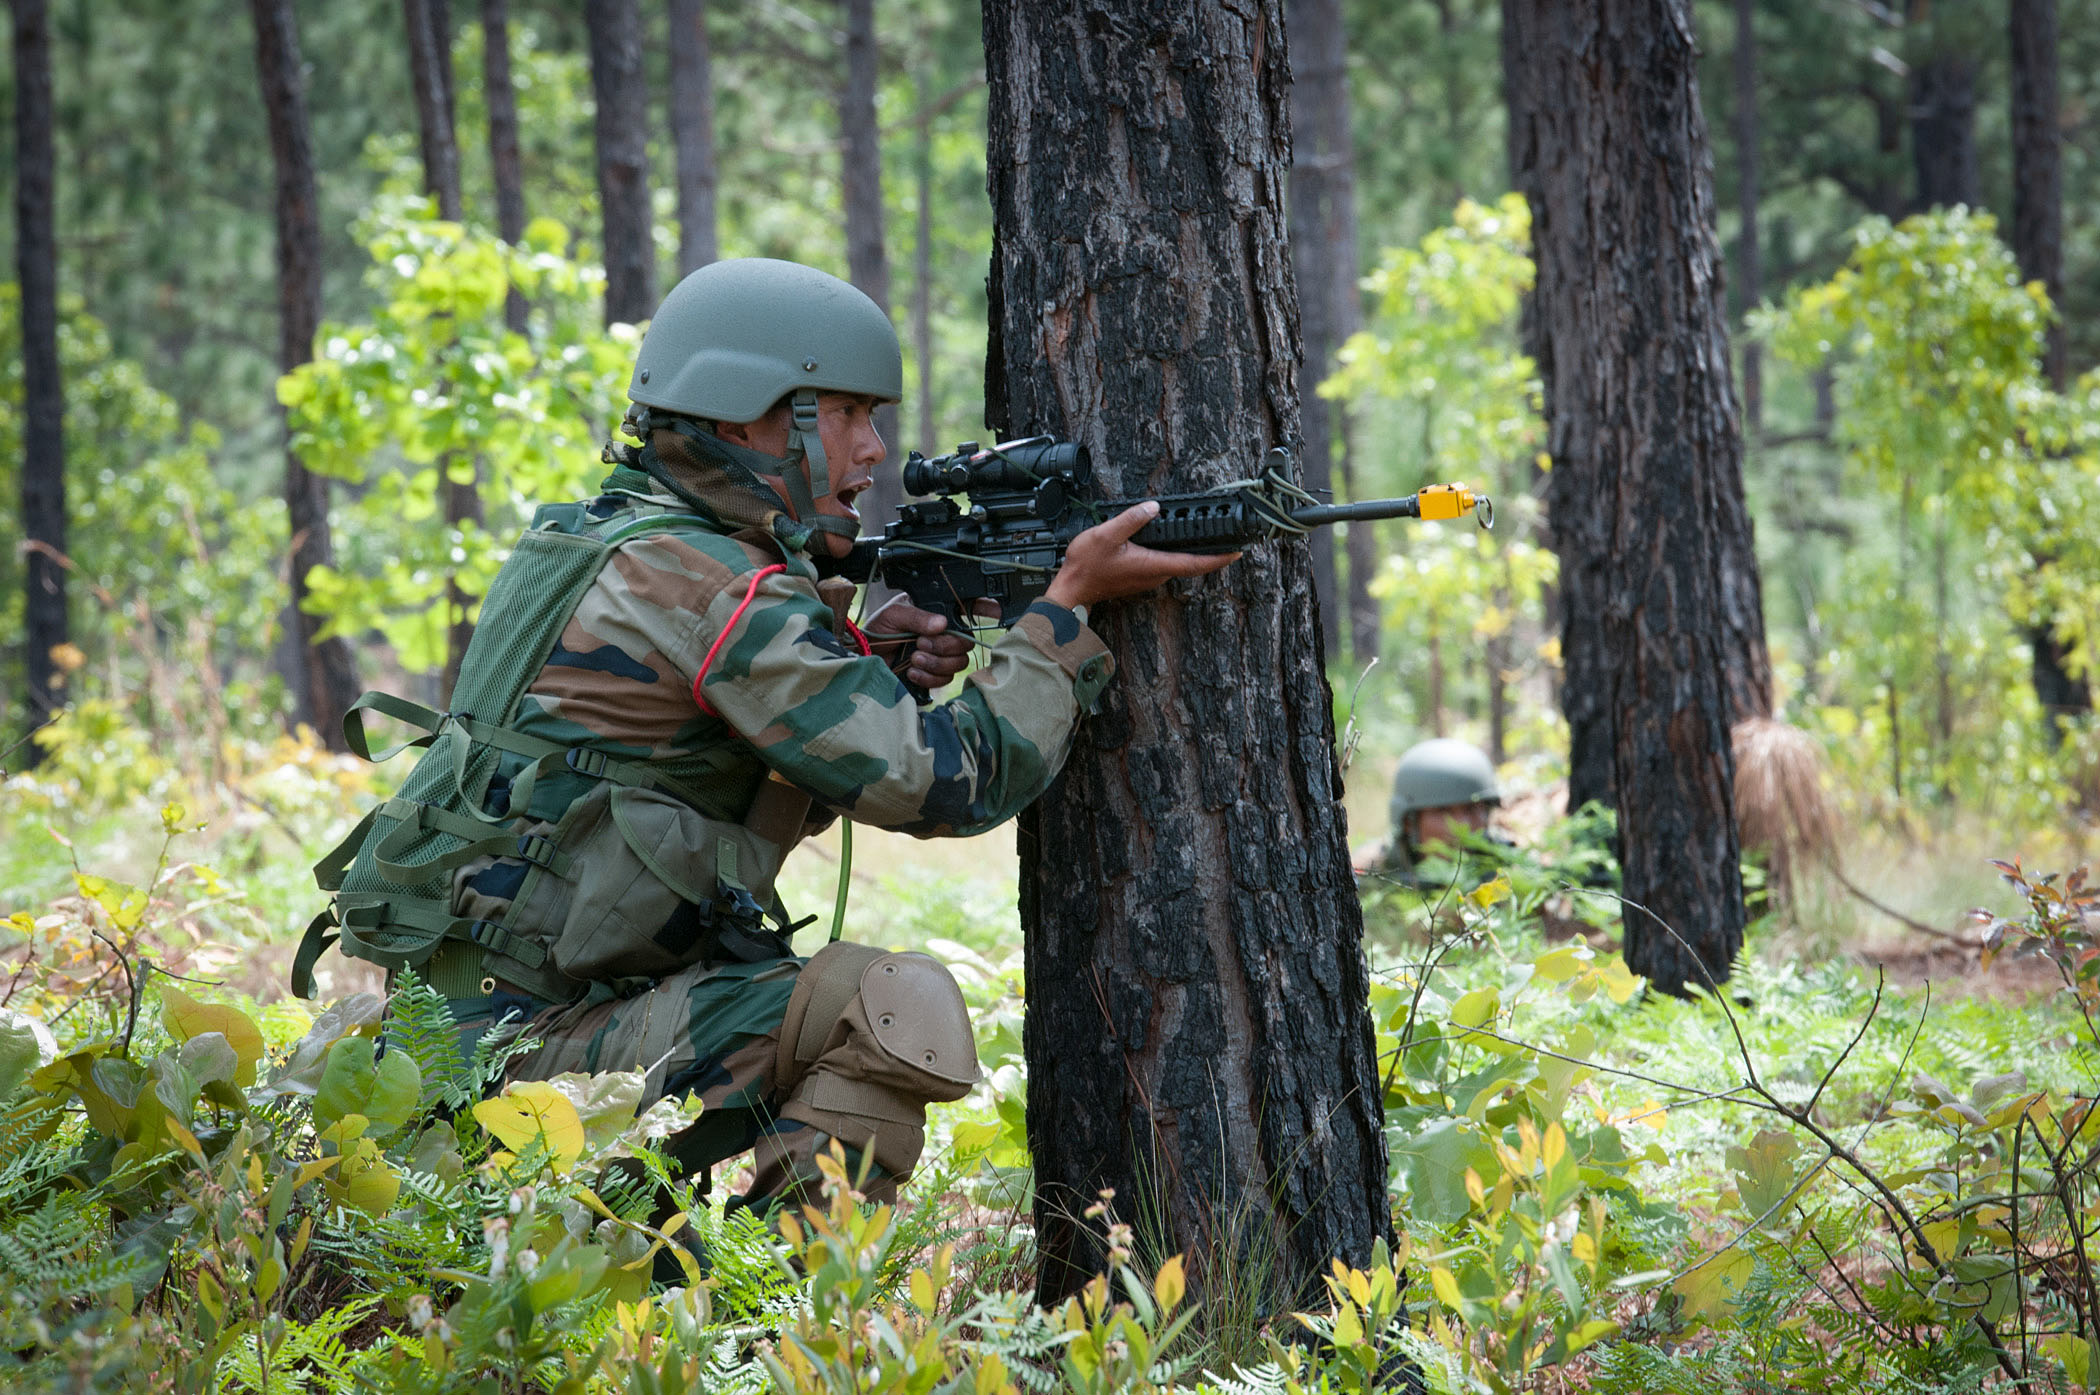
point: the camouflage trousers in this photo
(716, 1031)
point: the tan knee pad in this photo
(869, 1040)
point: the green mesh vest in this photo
(700, 829)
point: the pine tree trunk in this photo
(2038, 243)
(1647, 474)
(693, 132)
(867, 257)
(505, 163)
(430, 64)
(1323, 252)
(1197, 1035)
(326, 672)
(1749, 268)
(622, 127)
(43, 392)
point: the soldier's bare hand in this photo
(1103, 563)
(934, 657)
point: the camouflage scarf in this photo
(704, 473)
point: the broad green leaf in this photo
(2075, 1355)
(385, 1090)
(605, 1104)
(301, 1072)
(185, 1017)
(1433, 1165)
(26, 1045)
(124, 904)
(1476, 1008)
(1765, 1169)
(365, 1181)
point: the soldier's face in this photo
(1441, 825)
(852, 447)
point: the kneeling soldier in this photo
(662, 698)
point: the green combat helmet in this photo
(735, 337)
(1439, 773)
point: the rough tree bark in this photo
(505, 163)
(430, 65)
(1197, 1032)
(1660, 613)
(867, 257)
(43, 392)
(693, 133)
(2038, 243)
(1749, 258)
(622, 129)
(1323, 254)
(327, 674)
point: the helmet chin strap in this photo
(805, 444)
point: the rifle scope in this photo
(1016, 467)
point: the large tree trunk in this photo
(693, 133)
(1749, 259)
(1647, 493)
(1323, 252)
(1197, 1034)
(2038, 242)
(867, 258)
(44, 402)
(505, 164)
(622, 127)
(327, 675)
(430, 65)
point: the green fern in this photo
(310, 1356)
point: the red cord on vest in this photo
(853, 631)
(716, 648)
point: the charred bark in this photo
(43, 391)
(693, 133)
(867, 255)
(1943, 130)
(1323, 254)
(1197, 1031)
(505, 164)
(326, 673)
(2038, 243)
(1662, 627)
(622, 131)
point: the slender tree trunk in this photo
(1197, 1033)
(1647, 476)
(867, 257)
(693, 132)
(430, 63)
(327, 674)
(43, 392)
(1943, 130)
(1323, 251)
(504, 161)
(1749, 254)
(2038, 242)
(622, 127)
(922, 270)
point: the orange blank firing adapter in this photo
(1441, 501)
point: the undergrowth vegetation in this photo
(1809, 1180)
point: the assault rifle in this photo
(1028, 499)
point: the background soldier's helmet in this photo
(735, 337)
(1439, 773)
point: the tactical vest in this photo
(700, 835)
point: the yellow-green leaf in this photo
(1170, 1285)
(1446, 1285)
(1713, 1283)
(1488, 893)
(124, 904)
(534, 1109)
(185, 1017)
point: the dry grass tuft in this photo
(1781, 808)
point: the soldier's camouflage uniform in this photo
(795, 700)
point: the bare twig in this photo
(1892, 913)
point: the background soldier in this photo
(682, 699)
(1440, 787)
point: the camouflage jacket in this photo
(788, 694)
